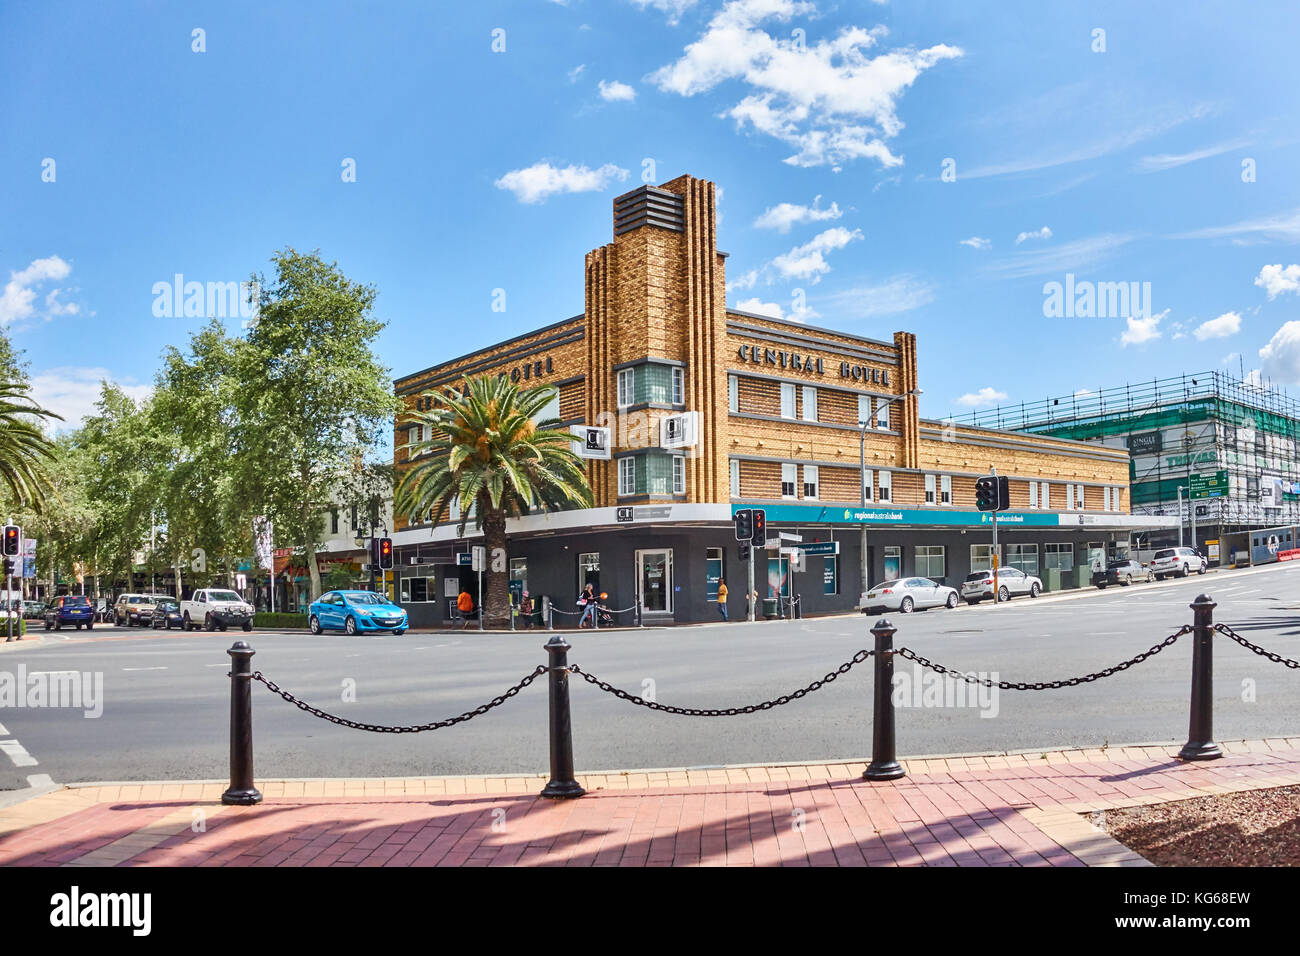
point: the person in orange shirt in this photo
(465, 604)
(722, 599)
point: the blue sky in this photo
(940, 163)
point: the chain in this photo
(1046, 685)
(381, 729)
(816, 685)
(1275, 658)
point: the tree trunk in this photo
(497, 603)
(309, 549)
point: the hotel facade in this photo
(692, 410)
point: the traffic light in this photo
(1004, 493)
(9, 567)
(986, 493)
(744, 520)
(385, 553)
(12, 539)
(760, 527)
(743, 552)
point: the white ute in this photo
(216, 609)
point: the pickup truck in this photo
(215, 609)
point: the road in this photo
(166, 703)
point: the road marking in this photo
(17, 753)
(40, 780)
(3, 732)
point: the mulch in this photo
(1254, 828)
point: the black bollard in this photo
(562, 783)
(1200, 730)
(884, 762)
(241, 791)
(798, 607)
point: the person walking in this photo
(465, 604)
(722, 598)
(587, 601)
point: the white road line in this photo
(3, 732)
(148, 668)
(17, 753)
(40, 780)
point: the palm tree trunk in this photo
(497, 604)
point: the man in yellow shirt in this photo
(722, 599)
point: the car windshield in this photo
(167, 604)
(137, 599)
(223, 596)
(364, 597)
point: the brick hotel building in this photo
(710, 409)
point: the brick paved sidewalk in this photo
(1024, 809)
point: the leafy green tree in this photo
(312, 396)
(490, 452)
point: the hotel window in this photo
(679, 475)
(1069, 496)
(626, 387)
(412, 438)
(866, 486)
(1078, 497)
(981, 557)
(864, 409)
(882, 413)
(735, 479)
(930, 561)
(1059, 555)
(1033, 494)
(679, 386)
(733, 393)
(787, 400)
(789, 475)
(1105, 498)
(810, 481)
(886, 485)
(929, 489)
(1117, 499)
(1023, 557)
(627, 475)
(945, 490)
(1044, 495)
(809, 411)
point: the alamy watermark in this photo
(1096, 300)
(925, 688)
(196, 300)
(75, 690)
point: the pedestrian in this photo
(722, 598)
(465, 604)
(587, 601)
(526, 608)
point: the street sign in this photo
(479, 561)
(824, 548)
(465, 559)
(789, 536)
(1213, 485)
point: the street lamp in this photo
(862, 474)
(1189, 442)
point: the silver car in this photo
(1177, 563)
(906, 595)
(978, 585)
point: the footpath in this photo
(1022, 809)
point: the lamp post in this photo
(862, 475)
(1189, 443)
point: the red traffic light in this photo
(385, 553)
(12, 534)
(760, 527)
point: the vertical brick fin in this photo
(905, 342)
(596, 307)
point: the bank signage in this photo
(827, 514)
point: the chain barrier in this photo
(1255, 648)
(418, 728)
(816, 685)
(1046, 685)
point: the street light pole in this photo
(1189, 443)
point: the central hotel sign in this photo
(761, 355)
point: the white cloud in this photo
(541, 180)
(986, 397)
(745, 281)
(18, 299)
(784, 215)
(829, 100)
(614, 91)
(1277, 279)
(808, 261)
(576, 72)
(759, 307)
(976, 242)
(1283, 227)
(73, 391)
(1084, 393)
(673, 8)
(1280, 359)
(900, 293)
(1141, 330)
(1227, 324)
(1066, 257)
(1043, 233)
(1163, 161)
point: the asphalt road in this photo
(166, 698)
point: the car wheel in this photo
(972, 601)
(48, 626)
(208, 623)
(1128, 579)
(58, 625)
(350, 625)
(1150, 577)
(116, 622)
(1004, 594)
(1034, 590)
(186, 623)
(1202, 570)
(1101, 587)
(952, 600)
(905, 607)
(247, 626)
(313, 624)
(399, 632)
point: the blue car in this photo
(74, 609)
(356, 612)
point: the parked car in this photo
(354, 612)
(135, 610)
(978, 585)
(33, 610)
(1177, 563)
(906, 595)
(1123, 572)
(71, 609)
(166, 614)
(216, 609)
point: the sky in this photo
(971, 172)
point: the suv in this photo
(1177, 562)
(135, 610)
(72, 609)
(215, 609)
(1011, 581)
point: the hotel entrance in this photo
(654, 580)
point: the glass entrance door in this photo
(654, 576)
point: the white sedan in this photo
(906, 595)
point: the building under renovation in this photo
(1234, 443)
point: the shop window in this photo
(930, 562)
(1059, 555)
(1023, 557)
(981, 557)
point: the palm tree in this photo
(24, 449)
(488, 452)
